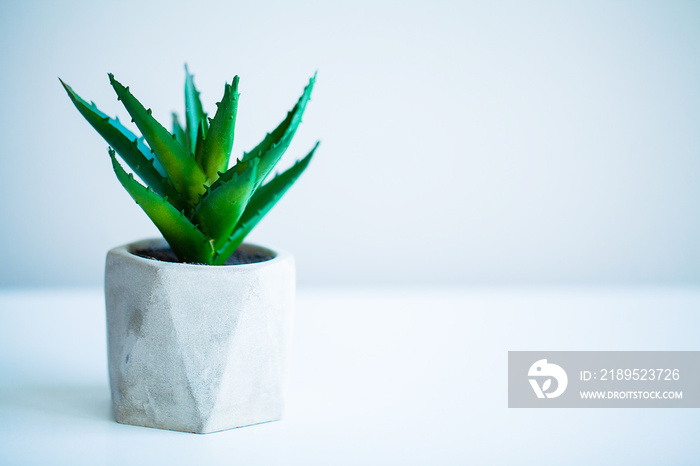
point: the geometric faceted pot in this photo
(197, 348)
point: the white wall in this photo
(462, 142)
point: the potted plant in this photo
(198, 324)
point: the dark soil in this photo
(167, 255)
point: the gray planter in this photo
(197, 348)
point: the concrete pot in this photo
(197, 348)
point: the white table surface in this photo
(398, 377)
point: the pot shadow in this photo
(81, 402)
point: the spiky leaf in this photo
(260, 204)
(131, 148)
(223, 204)
(199, 147)
(179, 132)
(219, 138)
(186, 241)
(271, 149)
(194, 114)
(182, 170)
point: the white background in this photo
(462, 142)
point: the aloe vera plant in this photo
(203, 208)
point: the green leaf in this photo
(132, 149)
(260, 204)
(181, 167)
(199, 147)
(219, 138)
(179, 132)
(271, 149)
(187, 242)
(220, 208)
(194, 114)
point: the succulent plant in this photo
(203, 208)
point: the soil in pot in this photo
(237, 258)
